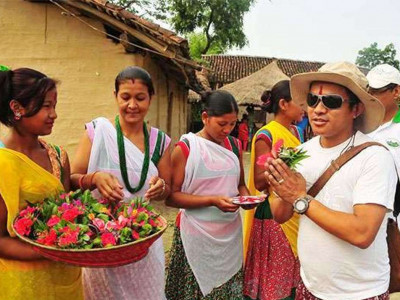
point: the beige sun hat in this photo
(348, 75)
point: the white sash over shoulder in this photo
(212, 239)
(142, 280)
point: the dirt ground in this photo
(170, 213)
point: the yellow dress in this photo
(23, 180)
(290, 228)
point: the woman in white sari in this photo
(120, 159)
(206, 256)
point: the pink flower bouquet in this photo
(78, 223)
(290, 156)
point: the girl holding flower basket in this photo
(120, 159)
(30, 170)
(271, 268)
(206, 255)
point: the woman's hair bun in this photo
(204, 96)
(267, 102)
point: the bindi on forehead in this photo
(321, 89)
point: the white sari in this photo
(142, 280)
(212, 239)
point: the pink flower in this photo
(23, 226)
(135, 235)
(108, 239)
(276, 148)
(111, 225)
(71, 213)
(99, 223)
(123, 221)
(77, 202)
(64, 207)
(54, 220)
(62, 196)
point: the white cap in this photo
(382, 75)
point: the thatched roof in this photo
(248, 90)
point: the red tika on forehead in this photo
(321, 87)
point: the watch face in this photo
(301, 205)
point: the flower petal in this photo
(262, 159)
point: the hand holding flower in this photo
(286, 183)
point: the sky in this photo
(320, 30)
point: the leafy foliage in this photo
(198, 41)
(221, 21)
(372, 56)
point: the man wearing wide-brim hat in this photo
(342, 235)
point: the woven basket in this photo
(100, 257)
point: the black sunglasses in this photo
(331, 101)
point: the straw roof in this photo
(248, 90)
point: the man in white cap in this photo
(384, 84)
(342, 233)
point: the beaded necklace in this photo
(122, 158)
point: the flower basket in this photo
(100, 257)
(78, 229)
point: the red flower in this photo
(69, 237)
(135, 235)
(152, 223)
(70, 214)
(48, 238)
(54, 220)
(23, 226)
(276, 148)
(108, 239)
(27, 211)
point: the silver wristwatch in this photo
(301, 204)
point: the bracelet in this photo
(80, 182)
(163, 187)
(91, 178)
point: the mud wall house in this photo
(66, 39)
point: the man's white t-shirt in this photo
(388, 134)
(330, 267)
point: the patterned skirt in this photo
(271, 270)
(181, 284)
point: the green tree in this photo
(220, 21)
(198, 41)
(372, 56)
